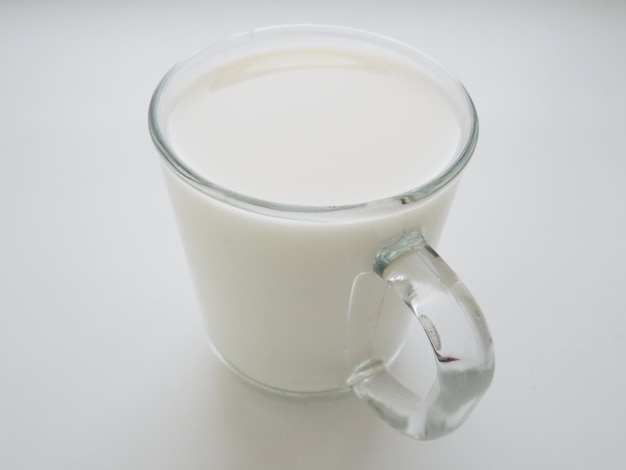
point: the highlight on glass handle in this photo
(457, 332)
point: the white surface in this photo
(103, 360)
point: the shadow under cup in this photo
(308, 299)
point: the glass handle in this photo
(456, 331)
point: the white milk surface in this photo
(314, 127)
(294, 303)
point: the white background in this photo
(103, 359)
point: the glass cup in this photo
(317, 299)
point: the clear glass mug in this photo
(311, 300)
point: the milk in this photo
(289, 298)
(315, 127)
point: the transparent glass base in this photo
(276, 392)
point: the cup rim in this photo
(418, 193)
